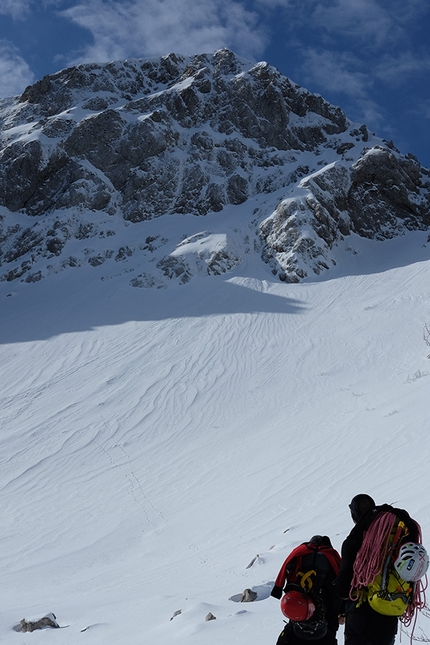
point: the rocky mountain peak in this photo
(93, 150)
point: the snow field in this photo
(155, 441)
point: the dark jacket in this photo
(353, 542)
(324, 561)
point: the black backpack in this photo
(311, 572)
(311, 569)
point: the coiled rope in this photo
(370, 558)
(370, 561)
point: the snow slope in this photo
(154, 441)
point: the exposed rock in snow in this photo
(90, 155)
(249, 596)
(50, 620)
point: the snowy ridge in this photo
(92, 155)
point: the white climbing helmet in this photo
(412, 563)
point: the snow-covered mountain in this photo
(230, 157)
(163, 449)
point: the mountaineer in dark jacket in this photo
(363, 625)
(312, 568)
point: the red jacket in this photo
(289, 568)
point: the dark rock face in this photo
(381, 195)
(141, 139)
(133, 132)
(396, 181)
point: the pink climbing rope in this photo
(370, 557)
(370, 560)
(418, 602)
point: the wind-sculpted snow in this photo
(93, 150)
(157, 442)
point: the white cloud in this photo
(407, 11)
(15, 8)
(337, 73)
(153, 27)
(424, 109)
(273, 4)
(396, 69)
(15, 74)
(363, 20)
(366, 23)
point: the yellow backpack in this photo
(385, 591)
(390, 596)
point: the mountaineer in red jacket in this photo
(308, 597)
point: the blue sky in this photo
(370, 57)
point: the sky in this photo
(162, 450)
(370, 57)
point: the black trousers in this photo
(364, 626)
(287, 637)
